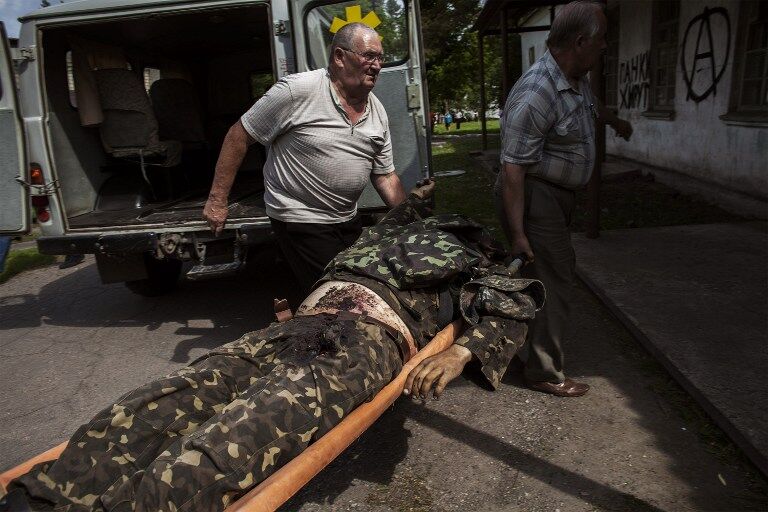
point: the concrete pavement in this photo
(697, 298)
(71, 345)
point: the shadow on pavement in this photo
(210, 312)
(386, 443)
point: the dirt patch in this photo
(407, 492)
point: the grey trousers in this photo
(548, 214)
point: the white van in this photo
(123, 107)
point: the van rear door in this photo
(14, 203)
(401, 84)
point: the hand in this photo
(424, 188)
(437, 371)
(623, 129)
(520, 245)
(215, 212)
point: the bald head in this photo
(349, 35)
(575, 19)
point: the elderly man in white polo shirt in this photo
(326, 135)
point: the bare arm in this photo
(623, 128)
(513, 200)
(233, 152)
(389, 188)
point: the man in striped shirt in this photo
(548, 151)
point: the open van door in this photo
(14, 203)
(401, 86)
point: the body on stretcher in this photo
(284, 483)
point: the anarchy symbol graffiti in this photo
(716, 69)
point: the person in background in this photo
(5, 247)
(448, 119)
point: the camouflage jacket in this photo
(432, 269)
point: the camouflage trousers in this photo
(203, 436)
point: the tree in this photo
(451, 48)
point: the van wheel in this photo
(162, 277)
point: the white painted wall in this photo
(696, 142)
(537, 40)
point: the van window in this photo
(71, 80)
(388, 18)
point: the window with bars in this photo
(611, 68)
(664, 51)
(753, 86)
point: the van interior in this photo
(139, 108)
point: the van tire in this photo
(162, 277)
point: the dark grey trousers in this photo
(548, 214)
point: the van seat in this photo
(177, 110)
(130, 128)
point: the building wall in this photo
(695, 142)
(694, 150)
(535, 40)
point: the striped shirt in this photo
(317, 163)
(549, 127)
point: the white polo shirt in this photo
(317, 163)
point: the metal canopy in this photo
(494, 20)
(489, 20)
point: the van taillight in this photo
(43, 215)
(39, 202)
(36, 175)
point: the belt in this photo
(366, 305)
(547, 182)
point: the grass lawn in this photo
(471, 193)
(24, 259)
(492, 125)
(630, 203)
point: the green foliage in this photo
(392, 29)
(25, 259)
(452, 51)
(260, 83)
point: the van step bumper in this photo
(97, 244)
(201, 272)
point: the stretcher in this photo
(284, 483)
